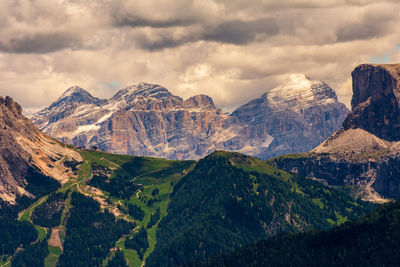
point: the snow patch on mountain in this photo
(73, 90)
(105, 117)
(299, 92)
(86, 128)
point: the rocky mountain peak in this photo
(199, 101)
(74, 90)
(11, 116)
(376, 101)
(76, 95)
(9, 103)
(141, 90)
(299, 78)
(299, 92)
(300, 113)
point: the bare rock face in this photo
(13, 159)
(146, 119)
(199, 101)
(164, 125)
(23, 146)
(375, 102)
(365, 151)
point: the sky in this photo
(231, 50)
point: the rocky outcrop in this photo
(365, 151)
(370, 180)
(375, 102)
(23, 146)
(146, 119)
(199, 101)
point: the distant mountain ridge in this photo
(146, 119)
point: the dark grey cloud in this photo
(155, 13)
(236, 32)
(132, 21)
(242, 32)
(265, 5)
(163, 43)
(40, 43)
(361, 31)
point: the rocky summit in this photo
(299, 115)
(148, 120)
(23, 148)
(365, 151)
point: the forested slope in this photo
(230, 200)
(371, 240)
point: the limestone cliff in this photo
(375, 102)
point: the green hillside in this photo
(77, 211)
(230, 200)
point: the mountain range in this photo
(148, 120)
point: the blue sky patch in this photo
(113, 84)
(380, 59)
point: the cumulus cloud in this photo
(371, 23)
(232, 50)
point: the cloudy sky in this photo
(232, 50)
